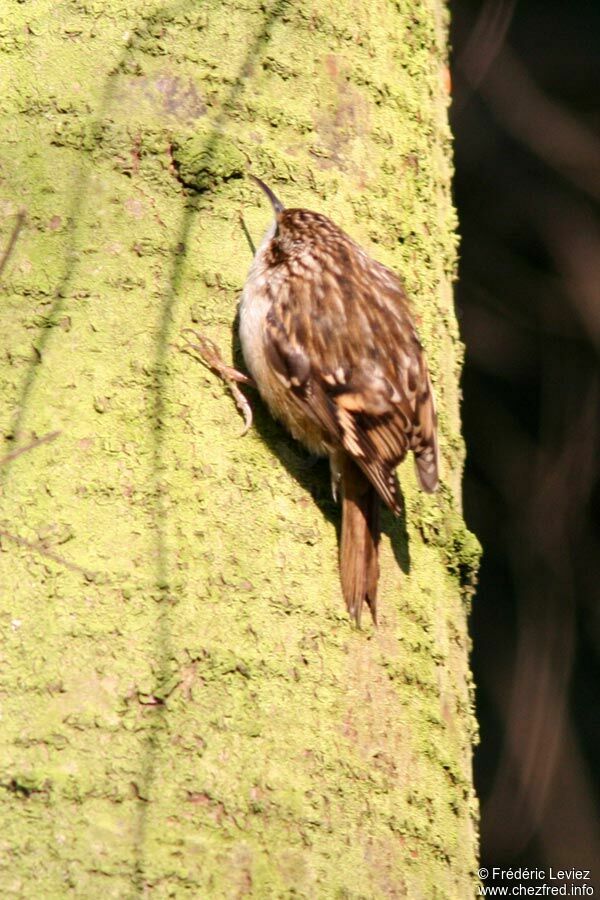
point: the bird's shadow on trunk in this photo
(312, 472)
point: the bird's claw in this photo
(209, 354)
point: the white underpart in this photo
(254, 307)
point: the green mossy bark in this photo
(190, 713)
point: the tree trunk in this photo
(187, 710)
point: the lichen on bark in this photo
(190, 712)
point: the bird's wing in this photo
(345, 346)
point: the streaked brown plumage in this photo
(328, 337)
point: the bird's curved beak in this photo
(275, 203)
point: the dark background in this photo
(526, 116)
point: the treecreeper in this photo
(329, 340)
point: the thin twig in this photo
(247, 235)
(55, 557)
(31, 545)
(35, 443)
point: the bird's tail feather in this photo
(359, 564)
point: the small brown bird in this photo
(328, 337)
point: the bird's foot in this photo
(208, 353)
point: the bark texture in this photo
(186, 709)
